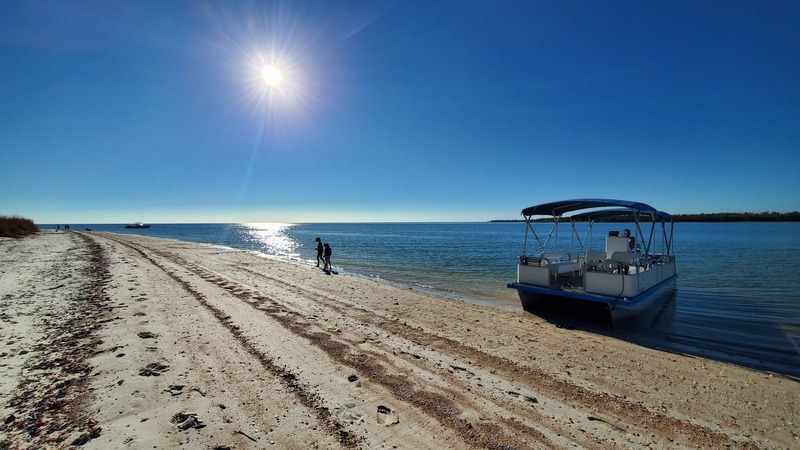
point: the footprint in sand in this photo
(187, 420)
(175, 389)
(147, 335)
(347, 412)
(387, 417)
(153, 369)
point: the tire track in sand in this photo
(290, 380)
(446, 407)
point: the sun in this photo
(272, 76)
(272, 82)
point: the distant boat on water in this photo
(137, 225)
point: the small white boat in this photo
(137, 225)
(623, 279)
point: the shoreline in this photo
(629, 333)
(480, 299)
(205, 346)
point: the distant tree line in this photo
(770, 216)
(767, 216)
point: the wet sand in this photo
(124, 341)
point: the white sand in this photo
(121, 341)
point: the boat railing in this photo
(620, 262)
(546, 258)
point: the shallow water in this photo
(736, 298)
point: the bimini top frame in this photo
(594, 209)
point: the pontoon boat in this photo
(624, 278)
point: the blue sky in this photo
(156, 111)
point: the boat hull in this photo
(535, 299)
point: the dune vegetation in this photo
(16, 226)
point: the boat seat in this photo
(559, 263)
(616, 244)
(625, 257)
(555, 256)
(624, 260)
(595, 259)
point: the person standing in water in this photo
(319, 251)
(328, 253)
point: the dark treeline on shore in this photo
(16, 226)
(793, 216)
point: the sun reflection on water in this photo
(272, 239)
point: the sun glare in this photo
(272, 76)
(273, 83)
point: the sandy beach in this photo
(123, 341)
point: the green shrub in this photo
(16, 227)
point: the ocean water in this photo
(737, 297)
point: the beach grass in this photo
(14, 226)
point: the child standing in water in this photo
(328, 253)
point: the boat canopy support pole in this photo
(535, 236)
(587, 239)
(667, 239)
(639, 235)
(530, 229)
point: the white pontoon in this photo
(625, 277)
